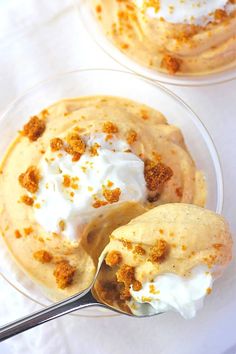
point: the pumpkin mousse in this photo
(176, 37)
(164, 260)
(79, 170)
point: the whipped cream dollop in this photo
(71, 193)
(197, 12)
(171, 292)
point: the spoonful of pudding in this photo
(164, 260)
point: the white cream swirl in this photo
(170, 292)
(112, 168)
(197, 12)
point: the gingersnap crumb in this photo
(137, 285)
(56, 144)
(171, 64)
(18, 234)
(94, 149)
(156, 174)
(66, 181)
(109, 127)
(132, 136)
(43, 256)
(220, 15)
(98, 9)
(139, 250)
(27, 200)
(112, 195)
(64, 273)
(99, 203)
(34, 128)
(113, 258)
(159, 252)
(28, 230)
(76, 146)
(127, 244)
(209, 291)
(126, 275)
(30, 179)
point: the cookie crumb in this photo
(64, 273)
(34, 129)
(43, 256)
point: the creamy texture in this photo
(91, 173)
(197, 12)
(171, 292)
(183, 41)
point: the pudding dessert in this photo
(164, 260)
(79, 170)
(176, 37)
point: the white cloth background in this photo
(39, 39)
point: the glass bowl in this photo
(95, 30)
(114, 83)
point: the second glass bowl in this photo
(94, 28)
(113, 83)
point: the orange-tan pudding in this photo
(77, 171)
(188, 37)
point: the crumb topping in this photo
(112, 195)
(127, 244)
(159, 252)
(171, 64)
(139, 250)
(30, 179)
(18, 234)
(132, 136)
(34, 128)
(64, 273)
(99, 203)
(156, 174)
(126, 275)
(136, 285)
(56, 144)
(220, 15)
(27, 200)
(94, 149)
(66, 181)
(209, 291)
(43, 256)
(109, 127)
(113, 258)
(75, 144)
(28, 230)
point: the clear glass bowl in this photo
(94, 28)
(115, 83)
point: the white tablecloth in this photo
(37, 40)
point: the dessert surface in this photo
(175, 37)
(77, 171)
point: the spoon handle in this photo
(77, 302)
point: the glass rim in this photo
(216, 78)
(193, 116)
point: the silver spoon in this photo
(76, 302)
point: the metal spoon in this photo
(76, 302)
